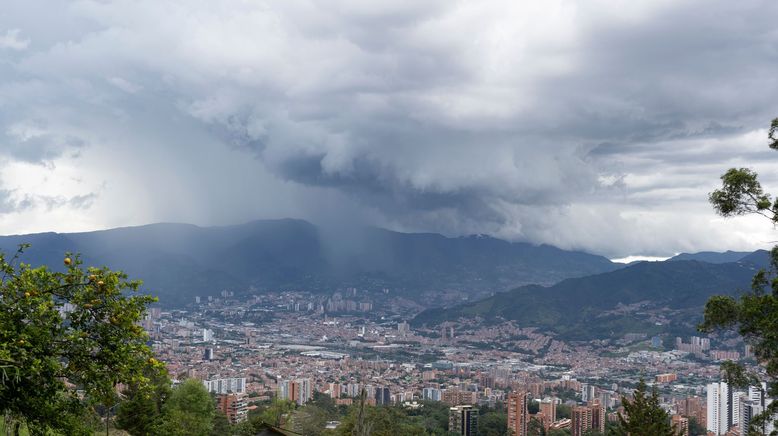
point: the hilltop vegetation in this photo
(609, 304)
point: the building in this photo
(666, 378)
(382, 396)
(456, 397)
(235, 385)
(719, 415)
(598, 415)
(432, 394)
(588, 392)
(580, 420)
(748, 410)
(518, 415)
(589, 417)
(681, 424)
(463, 420)
(548, 409)
(693, 407)
(234, 406)
(300, 391)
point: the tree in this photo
(535, 428)
(189, 411)
(644, 416)
(221, 424)
(755, 314)
(62, 331)
(140, 412)
(492, 424)
(695, 428)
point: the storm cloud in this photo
(597, 126)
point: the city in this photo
(289, 345)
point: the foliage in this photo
(535, 428)
(309, 420)
(383, 421)
(274, 414)
(60, 330)
(695, 428)
(492, 424)
(755, 314)
(189, 411)
(141, 410)
(644, 415)
(563, 411)
(221, 424)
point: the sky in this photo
(598, 126)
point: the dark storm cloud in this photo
(598, 126)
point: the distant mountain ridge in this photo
(613, 303)
(180, 261)
(712, 256)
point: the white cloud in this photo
(10, 40)
(588, 126)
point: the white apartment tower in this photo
(719, 408)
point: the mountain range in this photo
(646, 297)
(179, 261)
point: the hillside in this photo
(712, 256)
(631, 299)
(179, 261)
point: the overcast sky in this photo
(598, 125)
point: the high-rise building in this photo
(548, 409)
(463, 420)
(748, 410)
(235, 385)
(681, 424)
(518, 416)
(598, 415)
(694, 407)
(383, 396)
(300, 391)
(234, 406)
(587, 392)
(432, 394)
(719, 408)
(580, 420)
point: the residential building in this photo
(518, 415)
(463, 420)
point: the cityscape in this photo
(388, 218)
(340, 347)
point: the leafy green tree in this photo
(189, 411)
(60, 330)
(380, 421)
(221, 424)
(140, 412)
(755, 314)
(276, 411)
(492, 424)
(695, 428)
(644, 416)
(309, 420)
(563, 411)
(535, 428)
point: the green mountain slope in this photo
(179, 261)
(632, 299)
